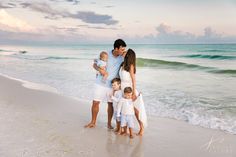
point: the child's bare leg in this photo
(124, 132)
(120, 131)
(117, 127)
(131, 133)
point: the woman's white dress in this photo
(126, 81)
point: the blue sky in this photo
(140, 21)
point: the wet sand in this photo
(45, 124)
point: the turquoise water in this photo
(194, 83)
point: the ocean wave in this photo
(182, 106)
(217, 50)
(7, 53)
(1, 50)
(220, 57)
(31, 57)
(226, 71)
(58, 58)
(143, 62)
(10, 52)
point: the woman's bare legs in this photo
(141, 127)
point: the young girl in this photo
(125, 110)
(127, 76)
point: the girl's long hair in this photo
(130, 59)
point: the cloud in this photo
(163, 28)
(91, 17)
(85, 16)
(75, 2)
(4, 6)
(11, 23)
(14, 28)
(109, 6)
(7, 37)
(165, 35)
(11, 5)
(97, 27)
(72, 30)
(44, 8)
(209, 33)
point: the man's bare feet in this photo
(110, 127)
(90, 125)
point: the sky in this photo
(103, 21)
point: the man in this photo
(102, 90)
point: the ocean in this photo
(192, 83)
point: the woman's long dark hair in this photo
(130, 59)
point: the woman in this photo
(127, 76)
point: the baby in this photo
(116, 95)
(102, 63)
(126, 108)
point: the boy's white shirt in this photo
(116, 98)
(125, 107)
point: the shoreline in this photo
(48, 88)
(48, 124)
(39, 87)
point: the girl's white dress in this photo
(126, 81)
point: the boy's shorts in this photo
(101, 93)
(127, 120)
(116, 117)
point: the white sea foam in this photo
(32, 85)
(191, 110)
(5, 53)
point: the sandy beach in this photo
(45, 124)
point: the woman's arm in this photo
(132, 74)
